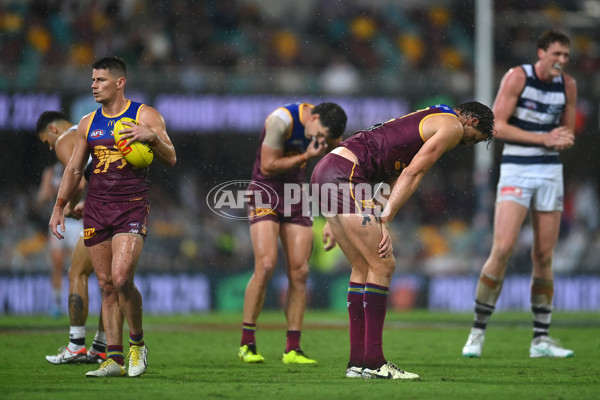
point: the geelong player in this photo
(116, 208)
(398, 152)
(535, 110)
(54, 128)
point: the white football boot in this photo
(138, 360)
(388, 371)
(545, 346)
(67, 356)
(472, 348)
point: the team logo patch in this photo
(368, 203)
(511, 191)
(136, 227)
(89, 233)
(260, 212)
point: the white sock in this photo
(76, 333)
(100, 337)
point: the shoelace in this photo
(134, 355)
(300, 353)
(394, 366)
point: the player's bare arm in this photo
(443, 133)
(64, 146)
(568, 117)
(273, 161)
(151, 130)
(64, 149)
(511, 86)
(71, 177)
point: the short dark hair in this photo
(332, 116)
(113, 64)
(549, 37)
(483, 113)
(48, 117)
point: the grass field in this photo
(195, 357)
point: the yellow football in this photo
(137, 154)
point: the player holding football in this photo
(116, 208)
(293, 134)
(535, 110)
(398, 152)
(54, 128)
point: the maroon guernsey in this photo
(112, 178)
(384, 150)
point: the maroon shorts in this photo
(342, 187)
(266, 203)
(103, 220)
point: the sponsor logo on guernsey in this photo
(511, 191)
(89, 233)
(555, 109)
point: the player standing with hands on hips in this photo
(116, 208)
(535, 116)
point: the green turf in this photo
(195, 357)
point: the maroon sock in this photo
(356, 316)
(248, 333)
(375, 309)
(116, 353)
(293, 341)
(136, 340)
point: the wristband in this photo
(60, 202)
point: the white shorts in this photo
(74, 229)
(540, 194)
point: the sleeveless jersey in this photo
(384, 150)
(295, 143)
(112, 178)
(539, 110)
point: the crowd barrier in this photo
(197, 293)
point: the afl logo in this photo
(97, 133)
(530, 104)
(229, 199)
